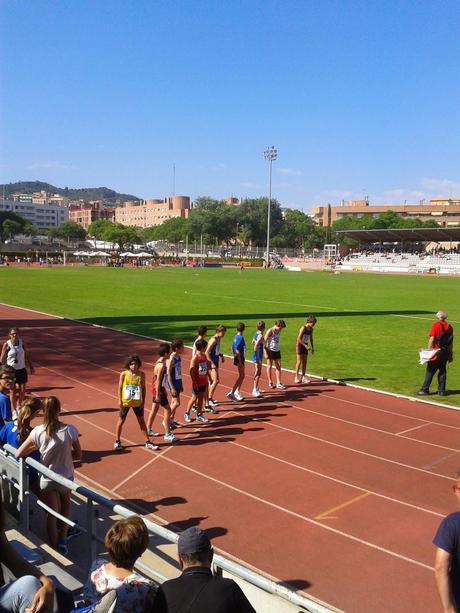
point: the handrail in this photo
(219, 561)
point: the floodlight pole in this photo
(270, 154)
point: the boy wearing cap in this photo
(197, 590)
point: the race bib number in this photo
(202, 369)
(131, 392)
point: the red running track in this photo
(333, 490)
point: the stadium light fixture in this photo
(270, 154)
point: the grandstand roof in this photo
(393, 235)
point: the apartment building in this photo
(41, 197)
(40, 215)
(444, 211)
(152, 212)
(84, 213)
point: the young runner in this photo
(199, 368)
(239, 349)
(131, 394)
(303, 344)
(273, 353)
(257, 356)
(201, 333)
(7, 377)
(14, 354)
(174, 378)
(214, 355)
(160, 397)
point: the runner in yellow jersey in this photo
(131, 395)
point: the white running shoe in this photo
(271, 385)
(213, 403)
(231, 396)
(238, 396)
(305, 380)
(297, 380)
(280, 386)
(256, 393)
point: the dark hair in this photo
(14, 329)
(221, 328)
(7, 370)
(200, 557)
(311, 319)
(163, 349)
(133, 358)
(201, 344)
(177, 343)
(280, 323)
(28, 409)
(240, 327)
(202, 330)
(51, 410)
(126, 541)
(260, 325)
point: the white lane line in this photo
(418, 428)
(352, 450)
(304, 518)
(335, 480)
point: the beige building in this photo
(152, 212)
(84, 213)
(444, 211)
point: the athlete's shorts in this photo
(273, 355)
(199, 389)
(300, 350)
(163, 396)
(238, 360)
(138, 411)
(21, 376)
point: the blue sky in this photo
(360, 98)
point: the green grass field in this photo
(369, 330)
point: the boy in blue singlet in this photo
(257, 357)
(239, 349)
(174, 377)
(214, 355)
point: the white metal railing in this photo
(17, 473)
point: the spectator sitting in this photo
(197, 590)
(32, 591)
(125, 541)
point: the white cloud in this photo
(50, 165)
(441, 187)
(288, 171)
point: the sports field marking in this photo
(327, 514)
(439, 460)
(304, 518)
(335, 480)
(358, 425)
(245, 299)
(358, 451)
(416, 428)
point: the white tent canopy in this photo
(143, 254)
(127, 254)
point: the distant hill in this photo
(84, 193)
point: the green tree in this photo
(71, 231)
(253, 220)
(21, 227)
(97, 228)
(11, 228)
(214, 219)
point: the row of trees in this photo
(214, 221)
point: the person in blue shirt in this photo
(258, 356)
(15, 433)
(239, 349)
(7, 378)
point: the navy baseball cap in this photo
(193, 540)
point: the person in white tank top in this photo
(14, 354)
(273, 353)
